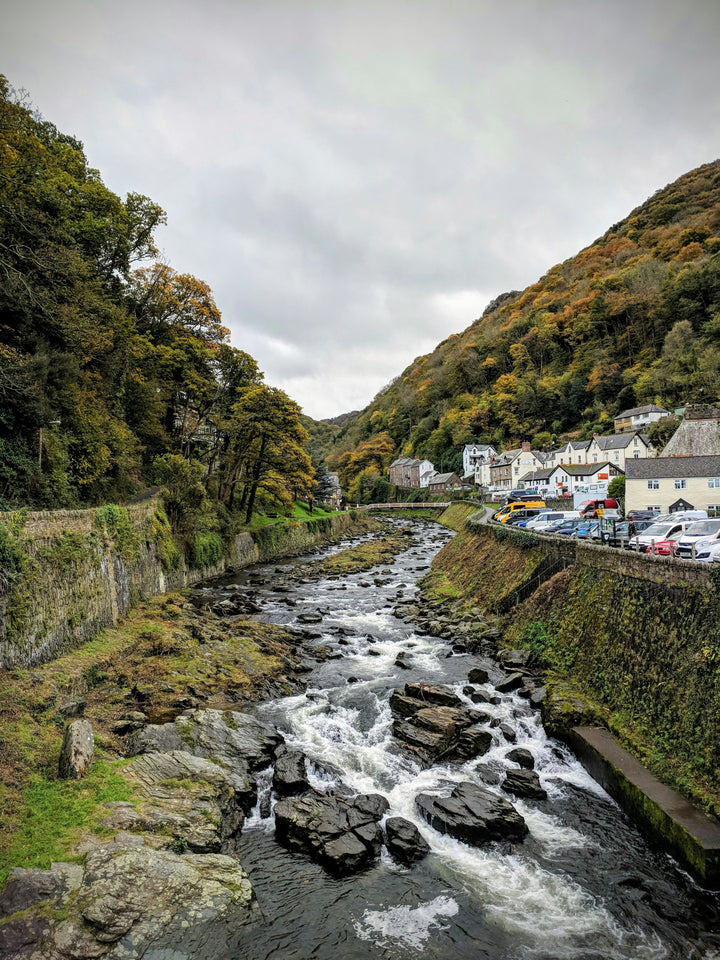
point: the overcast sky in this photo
(355, 179)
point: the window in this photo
(636, 455)
(655, 507)
(653, 485)
(680, 484)
(635, 442)
(617, 456)
(594, 458)
(713, 482)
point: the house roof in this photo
(657, 468)
(618, 440)
(538, 476)
(638, 411)
(444, 477)
(694, 438)
(584, 469)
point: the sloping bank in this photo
(628, 643)
(64, 575)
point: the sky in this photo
(356, 180)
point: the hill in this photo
(633, 318)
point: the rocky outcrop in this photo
(77, 752)
(433, 723)
(342, 835)
(472, 814)
(129, 899)
(238, 737)
(524, 783)
(289, 775)
(199, 804)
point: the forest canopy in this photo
(115, 368)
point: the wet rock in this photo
(404, 841)
(430, 743)
(343, 836)
(404, 661)
(472, 814)
(402, 706)
(521, 756)
(447, 721)
(77, 752)
(479, 696)
(524, 783)
(290, 776)
(478, 675)
(508, 732)
(433, 693)
(537, 696)
(473, 742)
(510, 682)
(312, 617)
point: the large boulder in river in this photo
(342, 835)
(404, 840)
(524, 783)
(78, 751)
(290, 775)
(232, 735)
(433, 693)
(472, 814)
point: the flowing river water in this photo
(584, 885)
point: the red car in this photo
(663, 548)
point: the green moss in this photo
(166, 549)
(118, 524)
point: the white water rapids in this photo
(582, 886)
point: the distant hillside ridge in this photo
(632, 319)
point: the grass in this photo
(300, 512)
(56, 812)
(357, 559)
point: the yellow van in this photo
(510, 508)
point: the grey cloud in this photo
(355, 180)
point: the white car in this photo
(657, 531)
(697, 536)
(543, 520)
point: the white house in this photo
(618, 448)
(474, 453)
(639, 418)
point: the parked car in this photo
(708, 552)
(642, 515)
(587, 531)
(657, 531)
(665, 548)
(566, 527)
(601, 508)
(546, 518)
(504, 513)
(520, 517)
(699, 534)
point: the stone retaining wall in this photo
(78, 581)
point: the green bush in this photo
(207, 550)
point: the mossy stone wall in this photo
(82, 570)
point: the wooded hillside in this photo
(115, 369)
(632, 319)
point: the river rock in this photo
(342, 835)
(196, 802)
(73, 708)
(433, 694)
(404, 840)
(235, 736)
(77, 752)
(402, 706)
(524, 783)
(132, 900)
(510, 682)
(472, 814)
(508, 732)
(289, 776)
(473, 742)
(478, 675)
(312, 617)
(521, 756)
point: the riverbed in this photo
(584, 885)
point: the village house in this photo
(672, 483)
(618, 448)
(507, 469)
(474, 454)
(639, 418)
(444, 481)
(410, 472)
(572, 478)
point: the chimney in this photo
(526, 446)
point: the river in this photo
(584, 885)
